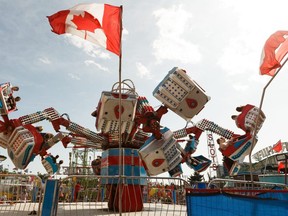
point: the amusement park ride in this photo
(147, 148)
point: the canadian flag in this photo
(100, 24)
(281, 166)
(278, 146)
(275, 49)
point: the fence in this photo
(92, 195)
(20, 194)
(242, 184)
(102, 195)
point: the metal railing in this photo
(20, 194)
(243, 184)
(102, 195)
(115, 195)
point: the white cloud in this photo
(74, 76)
(44, 60)
(237, 57)
(124, 33)
(240, 87)
(89, 48)
(242, 53)
(143, 71)
(91, 62)
(170, 44)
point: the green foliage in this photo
(195, 178)
(88, 182)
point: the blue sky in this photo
(218, 43)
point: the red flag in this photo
(278, 146)
(275, 49)
(280, 166)
(98, 23)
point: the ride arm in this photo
(54, 117)
(198, 163)
(191, 143)
(186, 131)
(81, 142)
(2, 127)
(205, 124)
(78, 130)
(51, 142)
(148, 117)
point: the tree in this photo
(195, 178)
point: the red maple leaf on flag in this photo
(86, 22)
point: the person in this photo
(33, 213)
(39, 128)
(240, 120)
(76, 191)
(281, 167)
(17, 99)
(223, 143)
(94, 113)
(9, 90)
(54, 159)
(59, 165)
(15, 88)
(11, 102)
(96, 165)
(191, 145)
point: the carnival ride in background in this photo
(145, 145)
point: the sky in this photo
(219, 44)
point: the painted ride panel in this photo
(181, 94)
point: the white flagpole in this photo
(258, 116)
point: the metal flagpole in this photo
(257, 118)
(120, 120)
(266, 161)
(285, 170)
